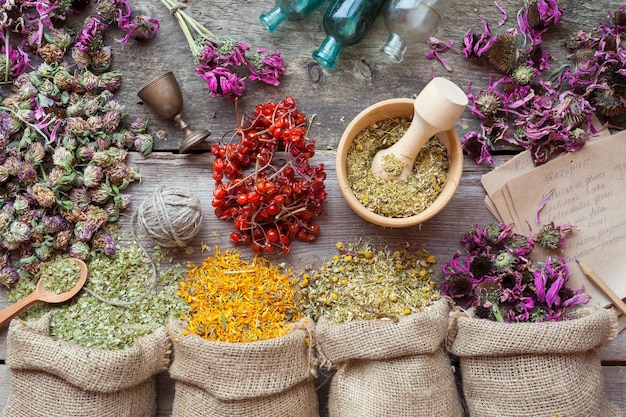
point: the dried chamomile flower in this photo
(361, 282)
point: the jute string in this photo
(171, 217)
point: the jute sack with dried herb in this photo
(268, 378)
(387, 368)
(534, 369)
(58, 378)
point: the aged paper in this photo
(586, 189)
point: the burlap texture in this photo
(395, 369)
(534, 369)
(58, 378)
(266, 378)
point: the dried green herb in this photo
(395, 198)
(126, 278)
(60, 276)
(363, 283)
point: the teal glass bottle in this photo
(288, 10)
(346, 22)
(410, 22)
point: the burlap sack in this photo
(268, 378)
(395, 369)
(57, 378)
(534, 369)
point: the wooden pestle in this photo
(437, 109)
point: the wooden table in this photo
(363, 76)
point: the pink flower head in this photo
(91, 37)
(266, 67)
(232, 53)
(223, 83)
(477, 45)
(141, 28)
(18, 61)
(537, 17)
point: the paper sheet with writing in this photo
(586, 189)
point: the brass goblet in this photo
(163, 95)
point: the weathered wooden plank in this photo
(5, 385)
(363, 74)
(615, 384)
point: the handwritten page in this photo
(586, 189)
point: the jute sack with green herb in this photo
(59, 378)
(390, 368)
(534, 369)
(267, 378)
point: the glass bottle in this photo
(288, 10)
(410, 22)
(345, 22)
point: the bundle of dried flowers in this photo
(547, 117)
(497, 278)
(218, 60)
(63, 143)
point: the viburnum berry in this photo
(264, 182)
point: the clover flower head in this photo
(8, 276)
(141, 28)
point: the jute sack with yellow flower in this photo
(390, 368)
(380, 330)
(534, 369)
(59, 378)
(242, 350)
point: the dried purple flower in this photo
(537, 16)
(141, 28)
(17, 233)
(8, 276)
(44, 195)
(266, 67)
(504, 284)
(16, 61)
(79, 250)
(223, 83)
(553, 237)
(437, 48)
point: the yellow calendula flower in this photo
(233, 300)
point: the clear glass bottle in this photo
(288, 10)
(346, 22)
(410, 22)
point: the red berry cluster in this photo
(264, 183)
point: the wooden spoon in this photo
(41, 294)
(437, 108)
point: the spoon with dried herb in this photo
(59, 282)
(436, 109)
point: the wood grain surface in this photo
(363, 76)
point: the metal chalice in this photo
(163, 95)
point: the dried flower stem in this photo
(189, 25)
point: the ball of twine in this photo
(171, 217)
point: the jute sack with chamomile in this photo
(267, 378)
(528, 369)
(390, 368)
(60, 378)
